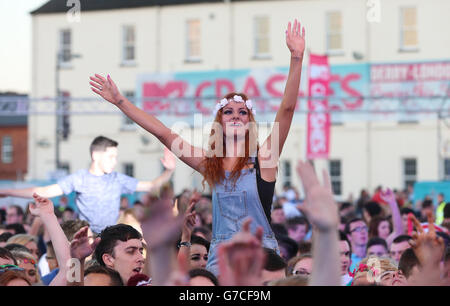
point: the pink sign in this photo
(318, 130)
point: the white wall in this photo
(371, 154)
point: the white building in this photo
(369, 43)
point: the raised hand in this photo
(169, 160)
(241, 260)
(80, 247)
(190, 217)
(159, 226)
(295, 39)
(106, 88)
(428, 247)
(388, 196)
(319, 205)
(41, 206)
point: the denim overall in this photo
(231, 205)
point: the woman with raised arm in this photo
(241, 173)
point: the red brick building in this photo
(13, 143)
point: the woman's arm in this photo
(272, 147)
(389, 197)
(43, 208)
(107, 89)
(321, 209)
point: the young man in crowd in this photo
(358, 235)
(98, 188)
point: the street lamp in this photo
(59, 128)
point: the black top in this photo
(265, 191)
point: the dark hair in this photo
(138, 202)
(204, 273)
(343, 237)
(375, 223)
(347, 225)
(101, 143)
(19, 209)
(377, 241)
(5, 253)
(71, 227)
(274, 262)
(279, 229)
(406, 210)
(277, 206)
(114, 276)
(17, 228)
(10, 275)
(304, 247)
(447, 211)
(5, 236)
(427, 204)
(200, 240)
(407, 262)
(373, 208)
(292, 223)
(109, 237)
(16, 247)
(289, 244)
(447, 254)
(345, 205)
(202, 229)
(401, 238)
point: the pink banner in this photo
(318, 130)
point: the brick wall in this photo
(18, 168)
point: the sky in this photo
(15, 44)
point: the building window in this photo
(65, 46)
(447, 169)
(408, 29)
(409, 171)
(127, 123)
(129, 43)
(287, 173)
(7, 150)
(128, 169)
(336, 176)
(334, 33)
(193, 40)
(261, 36)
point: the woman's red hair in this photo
(212, 165)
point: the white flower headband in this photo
(236, 98)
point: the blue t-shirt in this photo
(98, 197)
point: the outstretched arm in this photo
(295, 40)
(43, 208)
(169, 163)
(49, 191)
(389, 197)
(321, 209)
(107, 89)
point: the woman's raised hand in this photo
(106, 88)
(295, 39)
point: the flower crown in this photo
(236, 98)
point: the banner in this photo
(318, 119)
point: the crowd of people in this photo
(164, 239)
(241, 234)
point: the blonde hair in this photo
(22, 239)
(21, 255)
(372, 267)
